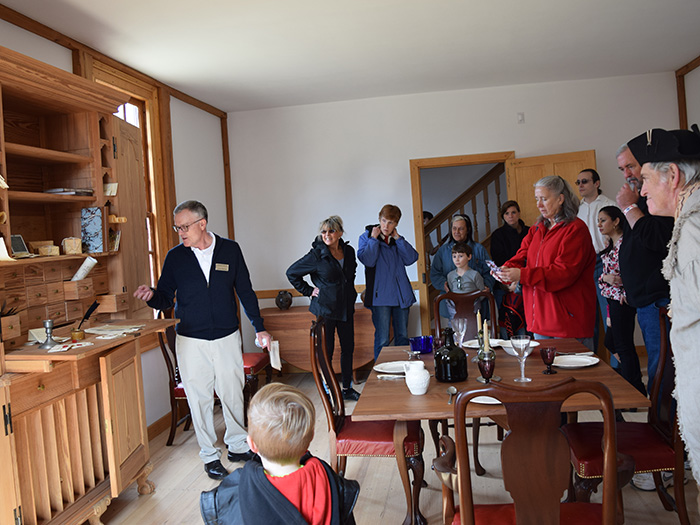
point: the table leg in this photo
(413, 515)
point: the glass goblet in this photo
(459, 325)
(486, 367)
(521, 345)
(548, 353)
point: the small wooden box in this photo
(112, 303)
(10, 327)
(35, 245)
(74, 290)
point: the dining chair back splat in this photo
(656, 445)
(364, 438)
(534, 458)
(464, 308)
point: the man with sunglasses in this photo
(205, 273)
(592, 200)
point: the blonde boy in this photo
(283, 483)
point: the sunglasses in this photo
(582, 181)
(323, 232)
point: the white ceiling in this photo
(253, 54)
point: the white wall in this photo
(293, 166)
(692, 95)
(35, 46)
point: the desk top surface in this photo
(391, 399)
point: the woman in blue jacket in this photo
(389, 293)
(442, 262)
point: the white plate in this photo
(474, 343)
(575, 361)
(486, 400)
(392, 367)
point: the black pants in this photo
(346, 336)
(619, 339)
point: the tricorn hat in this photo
(659, 145)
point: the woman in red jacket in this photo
(555, 266)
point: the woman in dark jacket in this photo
(331, 264)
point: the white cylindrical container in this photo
(84, 269)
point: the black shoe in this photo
(243, 456)
(350, 394)
(215, 470)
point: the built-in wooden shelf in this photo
(48, 198)
(43, 155)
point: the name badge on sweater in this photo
(221, 267)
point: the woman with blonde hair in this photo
(332, 266)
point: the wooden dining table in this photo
(390, 399)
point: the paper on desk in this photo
(39, 335)
(68, 346)
(4, 256)
(275, 360)
(114, 330)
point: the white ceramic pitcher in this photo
(417, 377)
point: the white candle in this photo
(486, 335)
(478, 319)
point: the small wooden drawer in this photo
(112, 303)
(11, 326)
(33, 273)
(12, 277)
(16, 298)
(37, 295)
(74, 290)
(32, 390)
(68, 268)
(14, 343)
(36, 317)
(74, 310)
(54, 292)
(53, 272)
(100, 280)
(56, 312)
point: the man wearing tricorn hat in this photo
(671, 182)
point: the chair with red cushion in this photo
(464, 308)
(253, 364)
(656, 445)
(179, 411)
(364, 438)
(534, 459)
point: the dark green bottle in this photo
(450, 360)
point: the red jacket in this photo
(557, 279)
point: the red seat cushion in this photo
(179, 391)
(639, 440)
(254, 362)
(504, 514)
(375, 438)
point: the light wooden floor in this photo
(179, 478)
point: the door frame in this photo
(437, 162)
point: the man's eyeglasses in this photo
(323, 232)
(582, 181)
(186, 227)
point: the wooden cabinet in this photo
(77, 433)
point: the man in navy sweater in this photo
(205, 273)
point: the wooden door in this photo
(9, 491)
(522, 173)
(126, 433)
(131, 203)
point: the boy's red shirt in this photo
(308, 490)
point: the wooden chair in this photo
(253, 364)
(656, 445)
(464, 306)
(534, 459)
(364, 438)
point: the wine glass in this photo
(521, 345)
(486, 367)
(459, 325)
(547, 353)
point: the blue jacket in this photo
(207, 311)
(385, 273)
(442, 265)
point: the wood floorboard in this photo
(180, 478)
